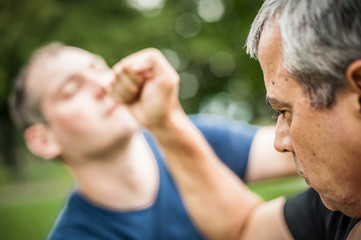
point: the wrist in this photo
(171, 124)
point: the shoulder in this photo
(223, 129)
(73, 221)
(208, 121)
(230, 139)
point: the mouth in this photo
(307, 181)
(300, 171)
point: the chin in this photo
(352, 210)
(331, 205)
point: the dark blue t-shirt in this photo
(167, 217)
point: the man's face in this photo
(325, 143)
(73, 86)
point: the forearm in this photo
(218, 201)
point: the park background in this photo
(203, 39)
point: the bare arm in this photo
(267, 222)
(264, 161)
(218, 201)
(221, 205)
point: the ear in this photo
(353, 75)
(41, 142)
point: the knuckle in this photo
(117, 69)
(153, 51)
(133, 89)
(167, 83)
(154, 54)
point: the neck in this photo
(125, 179)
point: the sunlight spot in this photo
(211, 10)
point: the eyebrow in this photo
(96, 59)
(59, 88)
(277, 104)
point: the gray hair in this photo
(320, 38)
(25, 106)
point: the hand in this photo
(149, 85)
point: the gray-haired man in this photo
(310, 54)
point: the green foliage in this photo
(113, 29)
(216, 77)
(207, 50)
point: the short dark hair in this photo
(24, 108)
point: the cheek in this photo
(72, 120)
(314, 141)
(307, 141)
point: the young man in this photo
(64, 101)
(310, 54)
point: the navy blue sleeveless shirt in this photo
(167, 218)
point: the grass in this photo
(28, 220)
(28, 209)
(272, 189)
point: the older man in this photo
(310, 54)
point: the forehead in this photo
(280, 85)
(49, 69)
(65, 60)
(270, 47)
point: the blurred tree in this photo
(20, 22)
(203, 39)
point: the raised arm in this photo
(220, 204)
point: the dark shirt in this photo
(167, 218)
(307, 218)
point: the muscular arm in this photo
(218, 201)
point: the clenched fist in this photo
(148, 84)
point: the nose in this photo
(283, 140)
(100, 91)
(101, 85)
